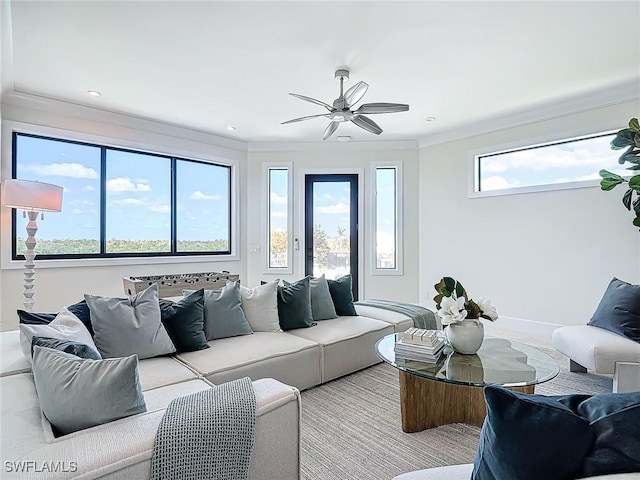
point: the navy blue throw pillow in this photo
(74, 348)
(619, 310)
(342, 296)
(184, 321)
(615, 420)
(294, 305)
(530, 437)
(80, 310)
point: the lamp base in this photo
(29, 264)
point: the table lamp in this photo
(32, 198)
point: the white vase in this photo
(465, 337)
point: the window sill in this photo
(110, 262)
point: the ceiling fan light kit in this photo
(341, 109)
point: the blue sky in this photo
(138, 193)
(567, 162)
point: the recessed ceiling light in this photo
(343, 138)
(429, 119)
(93, 93)
(231, 128)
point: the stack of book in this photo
(420, 345)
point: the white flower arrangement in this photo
(454, 305)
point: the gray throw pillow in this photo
(223, 314)
(76, 393)
(127, 326)
(321, 303)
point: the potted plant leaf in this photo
(629, 140)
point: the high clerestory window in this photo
(570, 163)
(124, 203)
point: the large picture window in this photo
(120, 203)
(565, 164)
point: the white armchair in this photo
(601, 351)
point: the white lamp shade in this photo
(28, 195)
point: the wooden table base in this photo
(428, 403)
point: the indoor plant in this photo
(628, 139)
(460, 315)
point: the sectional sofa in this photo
(280, 364)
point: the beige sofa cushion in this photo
(159, 371)
(288, 358)
(348, 343)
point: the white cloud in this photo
(88, 188)
(77, 211)
(198, 195)
(496, 183)
(336, 209)
(124, 184)
(74, 170)
(129, 201)
(278, 214)
(159, 208)
(550, 157)
(278, 199)
(385, 243)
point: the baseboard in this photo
(523, 327)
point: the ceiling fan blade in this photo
(367, 124)
(355, 93)
(311, 100)
(305, 118)
(371, 108)
(333, 126)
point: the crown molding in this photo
(615, 94)
(332, 146)
(59, 107)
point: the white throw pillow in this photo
(66, 326)
(260, 306)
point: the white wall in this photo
(56, 287)
(545, 256)
(336, 157)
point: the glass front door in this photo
(331, 226)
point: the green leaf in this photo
(609, 180)
(633, 167)
(636, 206)
(630, 156)
(626, 199)
(636, 221)
(441, 288)
(460, 291)
(438, 299)
(634, 182)
(472, 308)
(634, 125)
(623, 139)
(450, 284)
(636, 140)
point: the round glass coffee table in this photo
(450, 390)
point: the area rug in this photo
(351, 426)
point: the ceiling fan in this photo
(341, 111)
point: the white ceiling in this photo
(209, 65)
